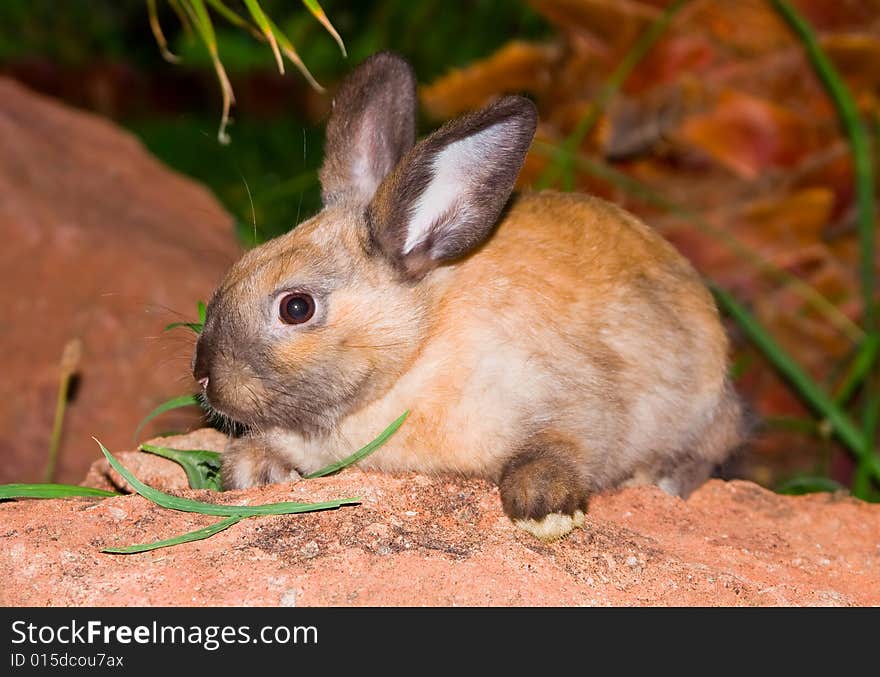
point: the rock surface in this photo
(416, 540)
(104, 244)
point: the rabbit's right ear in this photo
(445, 197)
(371, 127)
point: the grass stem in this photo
(70, 358)
(859, 141)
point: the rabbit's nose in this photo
(201, 369)
(201, 374)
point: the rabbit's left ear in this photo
(371, 127)
(443, 199)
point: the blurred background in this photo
(707, 118)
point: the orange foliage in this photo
(518, 66)
(749, 135)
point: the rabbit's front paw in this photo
(543, 493)
(250, 461)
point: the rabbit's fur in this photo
(553, 343)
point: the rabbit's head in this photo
(322, 320)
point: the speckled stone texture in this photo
(417, 540)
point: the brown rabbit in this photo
(553, 344)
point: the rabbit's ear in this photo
(371, 126)
(443, 199)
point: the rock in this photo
(418, 540)
(101, 243)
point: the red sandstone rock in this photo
(102, 243)
(416, 540)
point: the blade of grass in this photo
(182, 16)
(49, 491)
(290, 53)
(195, 326)
(860, 144)
(563, 162)
(840, 321)
(859, 140)
(173, 403)
(842, 424)
(807, 426)
(262, 22)
(189, 505)
(859, 369)
(861, 485)
(318, 12)
(202, 467)
(363, 452)
(198, 13)
(197, 535)
(799, 486)
(194, 13)
(158, 35)
(235, 19)
(70, 358)
(739, 367)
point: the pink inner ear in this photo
(362, 181)
(371, 127)
(370, 160)
(447, 193)
(461, 171)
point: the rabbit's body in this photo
(564, 349)
(630, 365)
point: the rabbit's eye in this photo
(296, 308)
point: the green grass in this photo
(860, 146)
(204, 465)
(198, 19)
(268, 176)
(202, 470)
(189, 505)
(174, 403)
(363, 452)
(69, 365)
(195, 327)
(180, 401)
(809, 484)
(197, 535)
(10, 491)
(809, 390)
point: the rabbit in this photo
(551, 343)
